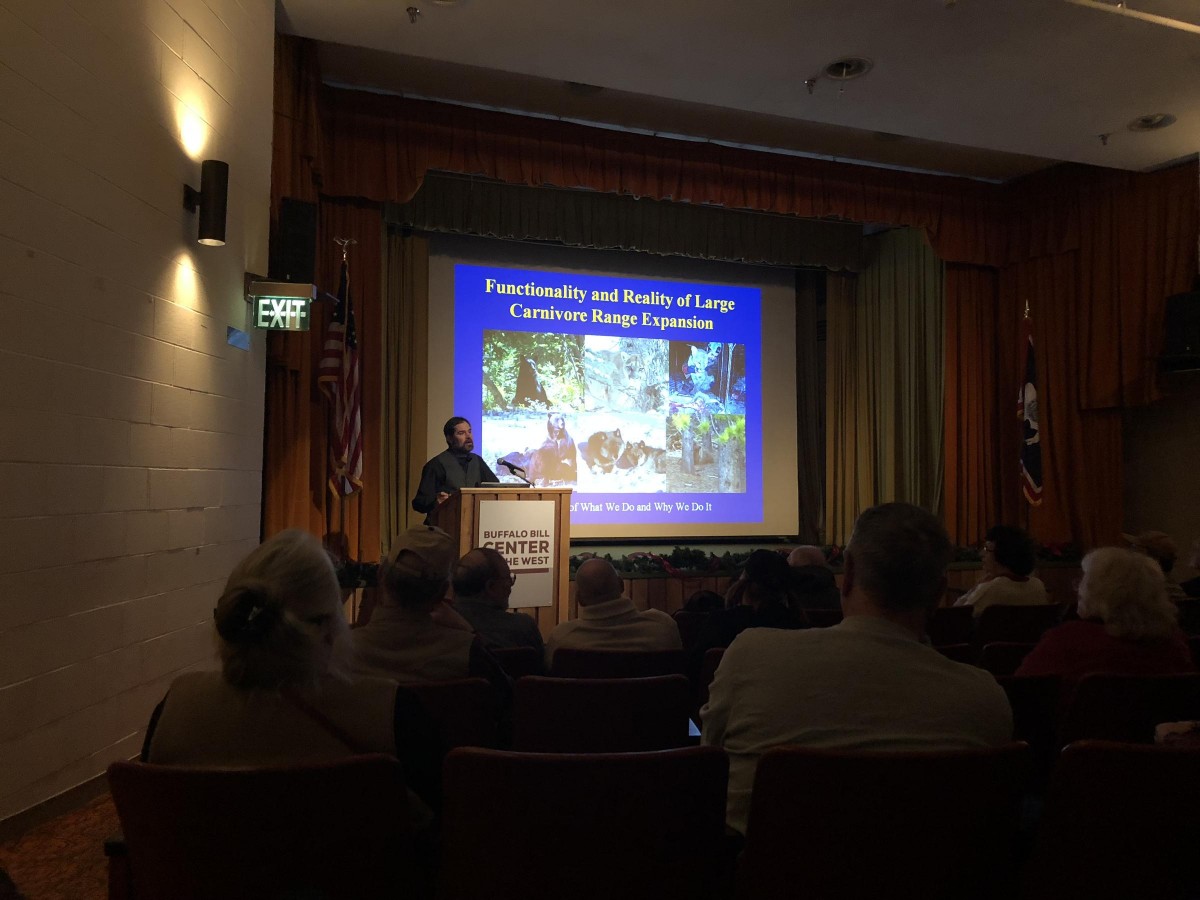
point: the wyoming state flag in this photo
(1027, 412)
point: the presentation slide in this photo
(644, 395)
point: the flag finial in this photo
(346, 242)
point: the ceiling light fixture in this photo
(1152, 122)
(848, 68)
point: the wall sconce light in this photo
(212, 200)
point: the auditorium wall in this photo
(130, 430)
(1162, 480)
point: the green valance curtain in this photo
(460, 205)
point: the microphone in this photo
(516, 470)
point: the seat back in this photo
(1018, 624)
(1119, 822)
(1035, 705)
(335, 829)
(1189, 615)
(573, 662)
(962, 653)
(600, 715)
(1127, 707)
(689, 624)
(464, 709)
(635, 826)
(854, 825)
(1003, 657)
(520, 661)
(951, 625)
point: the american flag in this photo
(1027, 412)
(338, 377)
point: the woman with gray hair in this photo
(1126, 624)
(280, 697)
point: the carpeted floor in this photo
(63, 859)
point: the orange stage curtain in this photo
(1081, 449)
(296, 492)
(296, 148)
(1136, 236)
(1138, 249)
(380, 147)
(976, 384)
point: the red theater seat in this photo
(610, 826)
(861, 826)
(335, 829)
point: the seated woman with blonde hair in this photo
(1126, 624)
(280, 696)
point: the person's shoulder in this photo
(755, 640)
(562, 629)
(206, 676)
(657, 615)
(196, 681)
(364, 681)
(525, 621)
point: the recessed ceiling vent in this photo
(1151, 122)
(847, 68)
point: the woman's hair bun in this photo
(246, 614)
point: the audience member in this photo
(1159, 547)
(868, 683)
(1126, 623)
(762, 597)
(1007, 580)
(812, 579)
(609, 621)
(415, 634)
(280, 696)
(483, 582)
(1191, 587)
(704, 602)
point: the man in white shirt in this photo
(608, 621)
(870, 683)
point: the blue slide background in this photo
(477, 310)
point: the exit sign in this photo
(282, 313)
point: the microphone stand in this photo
(515, 470)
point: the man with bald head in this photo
(483, 582)
(608, 621)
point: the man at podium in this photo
(456, 467)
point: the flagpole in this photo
(344, 243)
(1025, 508)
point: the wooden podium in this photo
(536, 541)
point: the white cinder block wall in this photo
(130, 431)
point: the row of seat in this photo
(1118, 823)
(614, 715)
(947, 625)
(564, 715)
